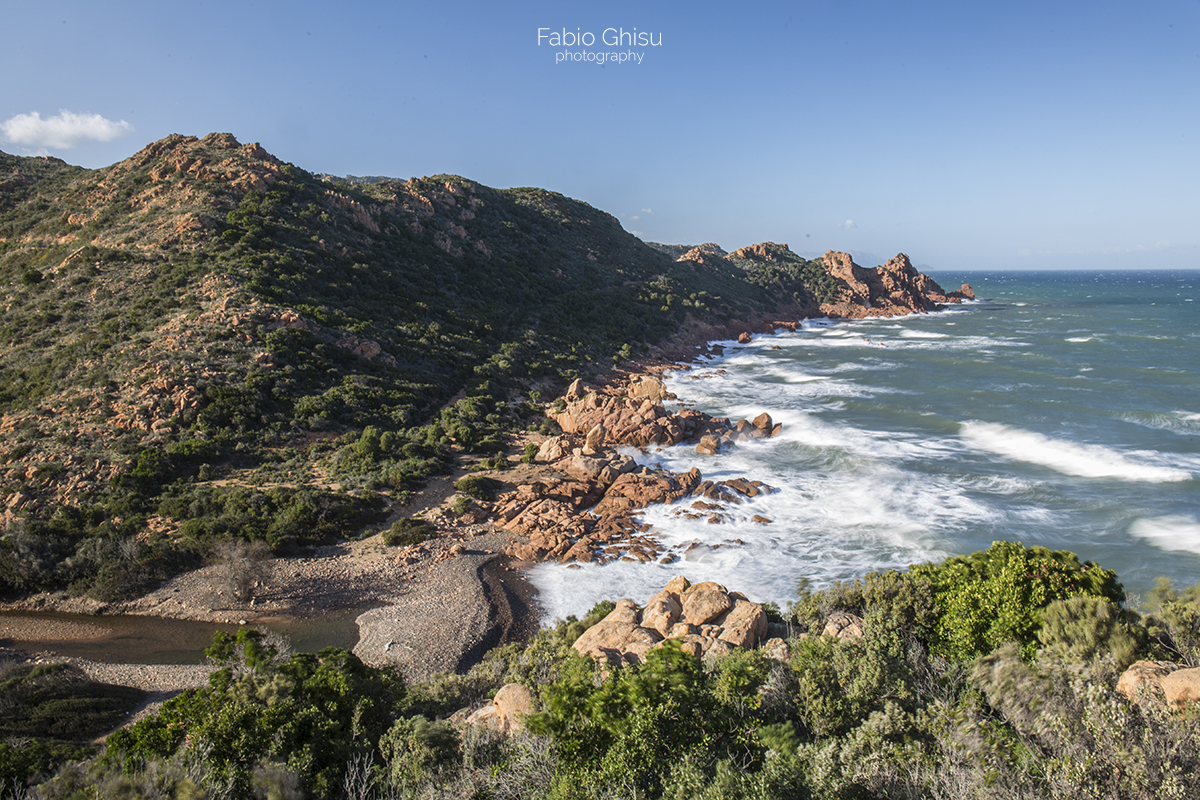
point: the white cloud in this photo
(848, 224)
(62, 131)
(647, 211)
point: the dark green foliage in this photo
(418, 751)
(633, 729)
(49, 713)
(783, 274)
(906, 597)
(996, 596)
(282, 517)
(477, 486)
(310, 713)
(1067, 737)
(1174, 621)
(1079, 629)
(57, 701)
(409, 531)
(876, 717)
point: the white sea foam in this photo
(1080, 339)
(825, 525)
(847, 503)
(1069, 458)
(869, 483)
(1172, 532)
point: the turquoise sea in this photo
(1059, 409)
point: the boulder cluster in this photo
(636, 417)
(706, 619)
(583, 510)
(1161, 683)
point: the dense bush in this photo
(996, 596)
(884, 716)
(405, 532)
(477, 486)
(308, 715)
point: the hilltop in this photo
(204, 343)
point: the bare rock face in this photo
(893, 289)
(744, 625)
(590, 518)
(706, 619)
(843, 626)
(619, 637)
(553, 449)
(1181, 688)
(506, 711)
(648, 387)
(705, 602)
(662, 612)
(594, 442)
(1142, 682)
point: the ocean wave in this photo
(1081, 339)
(1171, 532)
(823, 526)
(1184, 423)
(1067, 457)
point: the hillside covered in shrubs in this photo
(992, 675)
(204, 343)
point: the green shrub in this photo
(419, 752)
(1173, 621)
(477, 486)
(1079, 629)
(409, 531)
(995, 596)
(312, 714)
(906, 597)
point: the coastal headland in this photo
(236, 391)
(444, 602)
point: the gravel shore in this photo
(439, 609)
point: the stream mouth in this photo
(134, 639)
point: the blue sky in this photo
(968, 135)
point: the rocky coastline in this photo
(445, 602)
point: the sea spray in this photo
(909, 439)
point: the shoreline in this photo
(441, 609)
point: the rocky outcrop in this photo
(590, 516)
(505, 714)
(706, 619)
(1161, 683)
(584, 509)
(894, 289)
(635, 416)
